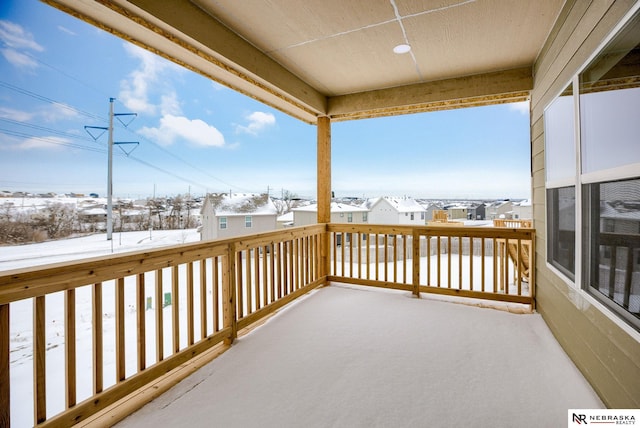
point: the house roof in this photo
(224, 204)
(335, 208)
(335, 58)
(402, 205)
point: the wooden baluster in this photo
(239, 286)
(448, 261)
(70, 347)
(247, 281)
(272, 275)
(215, 294)
(460, 267)
(175, 308)
(39, 360)
(438, 261)
(256, 278)
(159, 317)
(141, 324)
(265, 276)
(470, 263)
(482, 263)
(97, 339)
(203, 299)
(120, 335)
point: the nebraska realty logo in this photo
(599, 417)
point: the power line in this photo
(51, 101)
(50, 141)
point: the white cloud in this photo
(16, 37)
(66, 30)
(134, 92)
(56, 111)
(52, 143)
(169, 104)
(522, 107)
(16, 40)
(18, 115)
(19, 59)
(257, 122)
(196, 132)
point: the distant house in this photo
(340, 213)
(522, 210)
(499, 209)
(389, 210)
(225, 215)
(429, 208)
(458, 212)
(285, 220)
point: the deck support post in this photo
(324, 190)
(229, 294)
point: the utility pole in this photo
(110, 174)
(110, 157)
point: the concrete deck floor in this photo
(360, 357)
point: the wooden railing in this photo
(110, 326)
(179, 302)
(480, 262)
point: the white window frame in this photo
(222, 223)
(248, 221)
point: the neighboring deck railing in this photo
(182, 301)
(481, 262)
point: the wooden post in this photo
(229, 294)
(324, 189)
(5, 404)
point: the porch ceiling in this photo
(313, 58)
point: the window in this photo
(561, 229)
(560, 168)
(422, 215)
(612, 245)
(365, 217)
(559, 136)
(610, 163)
(222, 222)
(412, 216)
(350, 218)
(248, 221)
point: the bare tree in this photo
(56, 219)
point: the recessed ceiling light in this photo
(400, 49)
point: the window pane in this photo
(612, 244)
(559, 138)
(610, 102)
(561, 229)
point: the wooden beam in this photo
(468, 91)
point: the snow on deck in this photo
(357, 357)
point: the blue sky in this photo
(57, 74)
